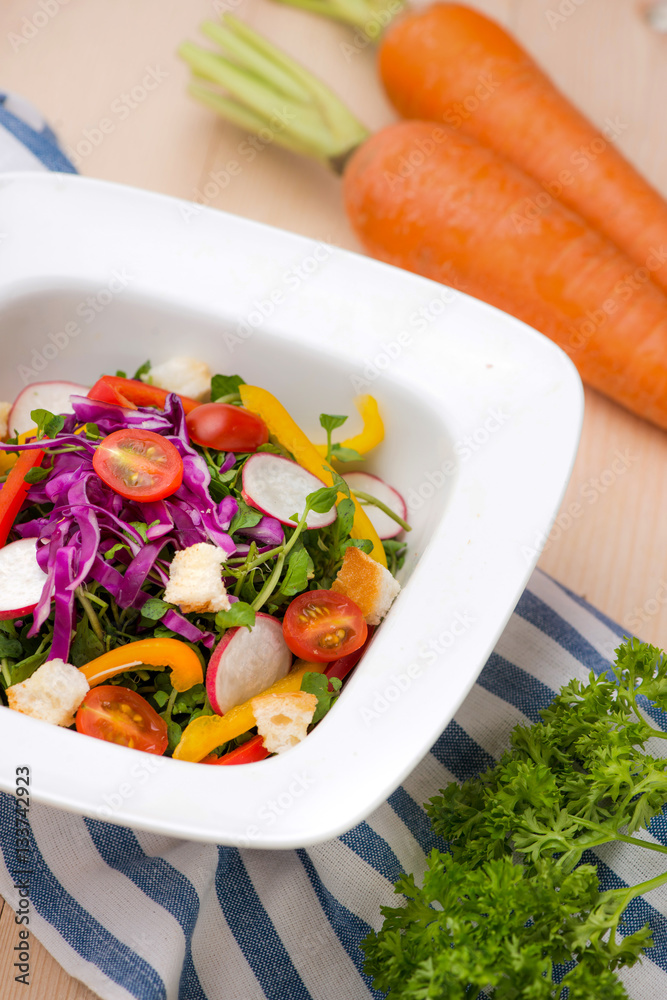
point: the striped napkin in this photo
(134, 914)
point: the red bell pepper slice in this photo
(14, 490)
(247, 753)
(132, 393)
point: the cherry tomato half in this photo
(226, 427)
(322, 625)
(140, 465)
(119, 715)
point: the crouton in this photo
(5, 409)
(52, 694)
(195, 579)
(186, 376)
(283, 719)
(366, 582)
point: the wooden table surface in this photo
(76, 63)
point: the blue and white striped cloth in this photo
(26, 141)
(133, 914)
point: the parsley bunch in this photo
(510, 907)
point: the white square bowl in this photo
(482, 414)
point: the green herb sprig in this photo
(512, 899)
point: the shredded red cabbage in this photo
(88, 519)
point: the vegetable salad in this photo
(174, 556)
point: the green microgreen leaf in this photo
(154, 609)
(174, 733)
(36, 475)
(326, 691)
(342, 454)
(10, 648)
(142, 528)
(239, 613)
(114, 549)
(48, 424)
(187, 701)
(321, 501)
(92, 432)
(245, 517)
(273, 449)
(142, 370)
(160, 698)
(359, 543)
(225, 385)
(25, 668)
(331, 421)
(346, 512)
(299, 571)
(86, 646)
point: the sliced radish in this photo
(21, 579)
(279, 487)
(376, 487)
(51, 396)
(245, 663)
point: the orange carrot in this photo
(451, 64)
(438, 202)
(435, 201)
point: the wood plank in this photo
(47, 979)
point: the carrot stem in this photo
(370, 16)
(259, 88)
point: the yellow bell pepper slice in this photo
(186, 668)
(210, 731)
(8, 458)
(289, 434)
(373, 430)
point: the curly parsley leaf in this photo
(512, 898)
